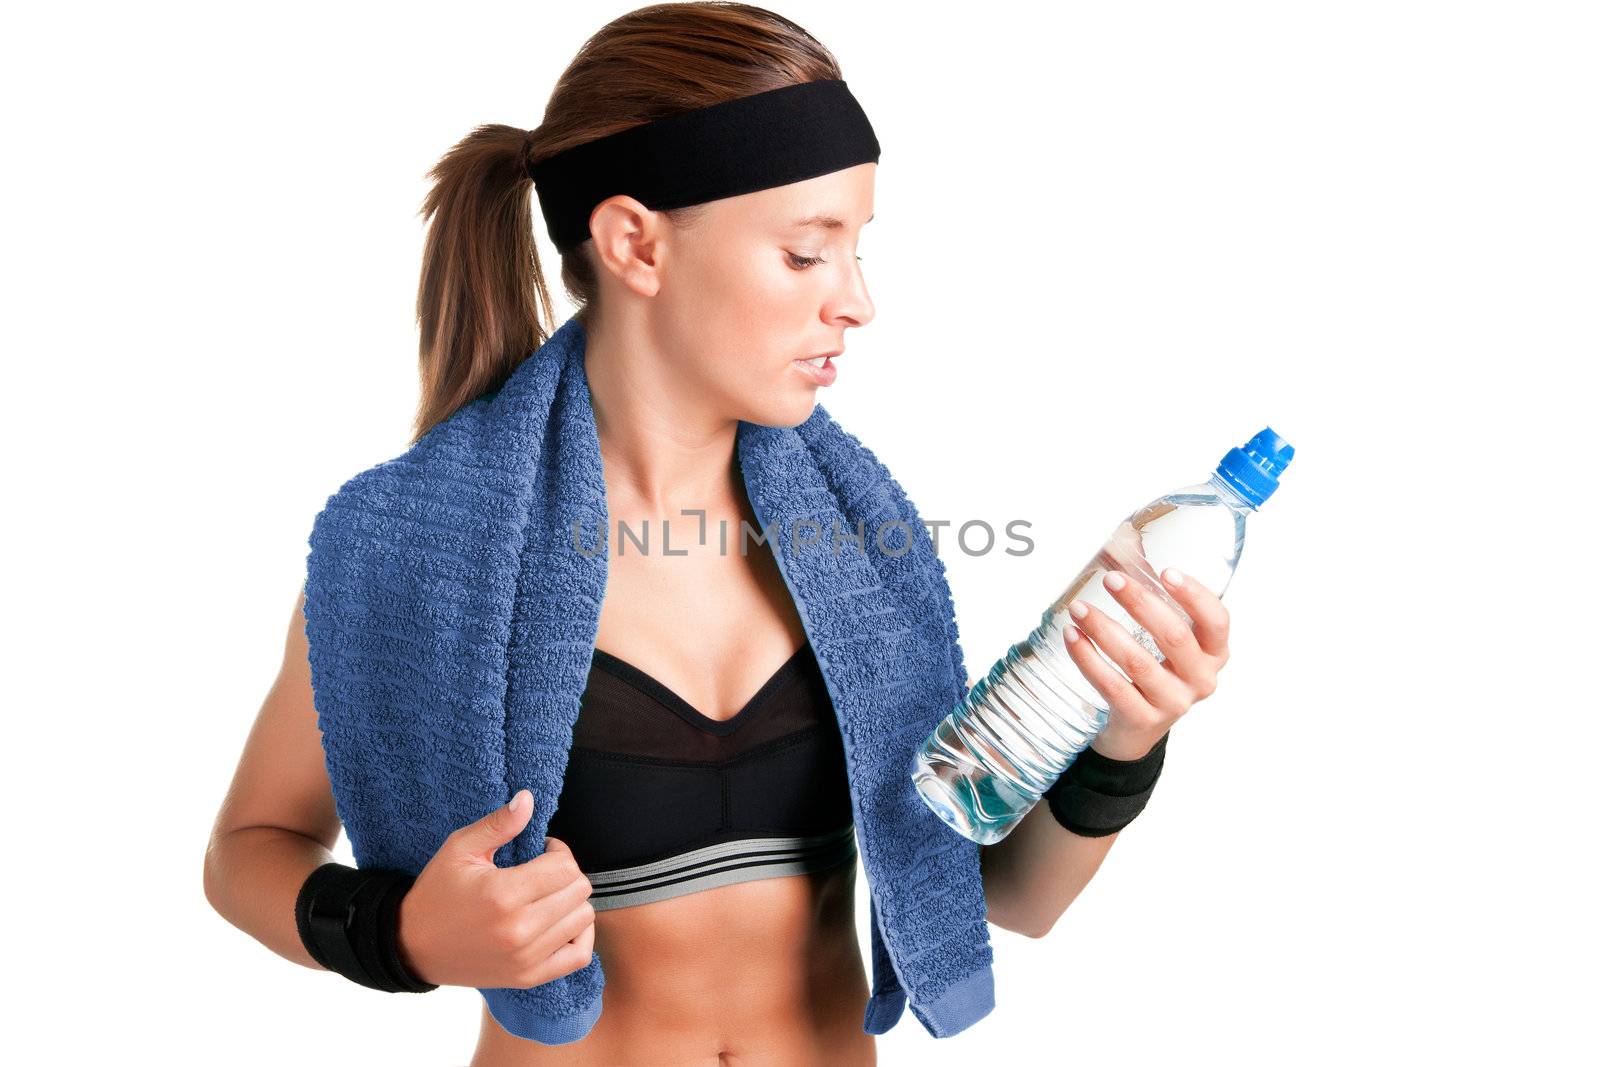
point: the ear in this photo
(628, 242)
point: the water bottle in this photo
(991, 759)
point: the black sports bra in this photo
(660, 800)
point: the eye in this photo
(806, 262)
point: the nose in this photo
(852, 304)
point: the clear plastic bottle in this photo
(986, 765)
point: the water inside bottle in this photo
(1025, 721)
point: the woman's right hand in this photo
(468, 922)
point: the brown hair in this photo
(482, 304)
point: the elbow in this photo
(1034, 925)
(1004, 910)
(208, 882)
(1028, 926)
(212, 882)
(1027, 930)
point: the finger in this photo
(576, 954)
(545, 874)
(481, 839)
(1157, 686)
(1162, 623)
(561, 917)
(570, 925)
(1121, 695)
(1204, 607)
(584, 942)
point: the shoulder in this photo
(443, 455)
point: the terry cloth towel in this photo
(451, 612)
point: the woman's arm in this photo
(277, 822)
(1031, 875)
(1035, 872)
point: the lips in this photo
(819, 369)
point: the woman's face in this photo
(756, 285)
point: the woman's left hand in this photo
(1155, 694)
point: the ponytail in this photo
(482, 289)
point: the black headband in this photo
(725, 149)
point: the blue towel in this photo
(452, 619)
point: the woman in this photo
(694, 320)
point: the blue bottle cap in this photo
(1253, 470)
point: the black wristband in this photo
(348, 920)
(1097, 796)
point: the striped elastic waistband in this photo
(724, 863)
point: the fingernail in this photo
(1072, 634)
(1173, 576)
(516, 801)
(1078, 608)
(1114, 581)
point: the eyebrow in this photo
(827, 222)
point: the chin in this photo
(789, 412)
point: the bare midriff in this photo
(763, 972)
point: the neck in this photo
(662, 448)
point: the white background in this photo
(1112, 241)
